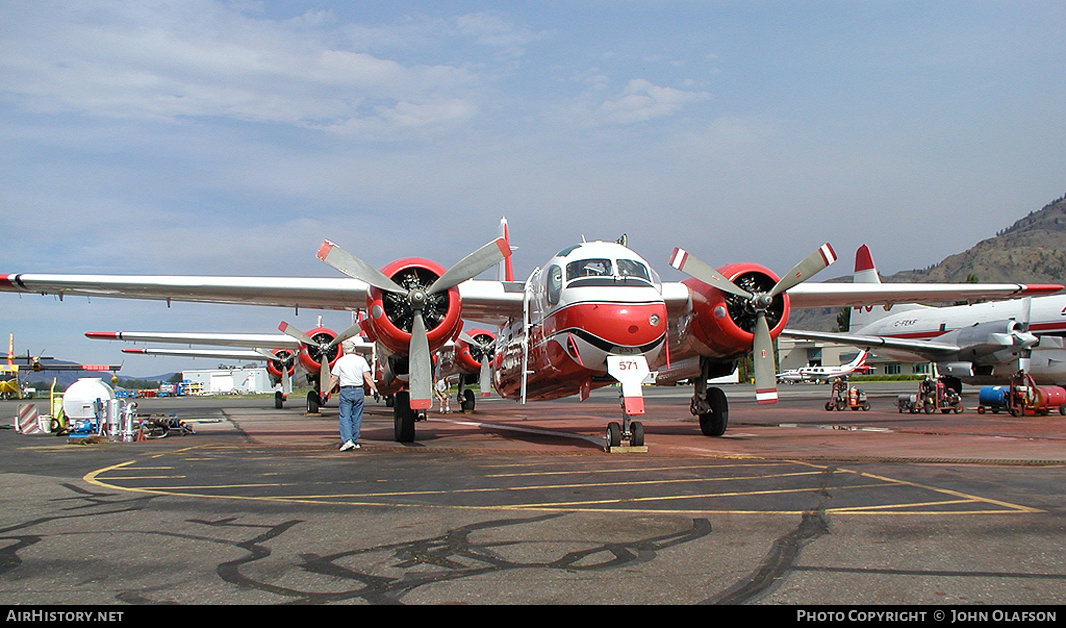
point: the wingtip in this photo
(1034, 289)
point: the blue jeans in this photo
(351, 412)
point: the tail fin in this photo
(506, 270)
(866, 272)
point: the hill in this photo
(1032, 250)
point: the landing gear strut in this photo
(709, 403)
(630, 371)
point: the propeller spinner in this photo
(757, 302)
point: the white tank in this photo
(79, 397)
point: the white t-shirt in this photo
(350, 368)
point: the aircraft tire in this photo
(614, 434)
(637, 430)
(313, 402)
(279, 401)
(467, 402)
(403, 418)
(714, 423)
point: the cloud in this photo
(206, 60)
(640, 101)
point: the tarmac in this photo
(795, 507)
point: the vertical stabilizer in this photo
(866, 272)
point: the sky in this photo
(211, 137)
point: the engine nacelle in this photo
(468, 357)
(956, 369)
(723, 324)
(390, 317)
(991, 342)
(311, 355)
(274, 367)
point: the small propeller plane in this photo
(825, 373)
(595, 314)
(12, 388)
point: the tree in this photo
(843, 319)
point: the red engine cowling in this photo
(390, 316)
(723, 324)
(311, 355)
(468, 357)
(284, 356)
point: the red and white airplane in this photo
(594, 315)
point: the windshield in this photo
(588, 268)
(633, 268)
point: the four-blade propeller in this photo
(759, 303)
(323, 349)
(484, 351)
(417, 298)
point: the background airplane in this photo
(822, 373)
(594, 315)
(11, 387)
(981, 343)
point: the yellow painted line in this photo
(636, 470)
(366, 499)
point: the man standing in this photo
(351, 371)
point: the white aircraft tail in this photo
(866, 272)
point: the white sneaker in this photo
(349, 445)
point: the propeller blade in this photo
(690, 265)
(485, 378)
(344, 335)
(296, 333)
(765, 373)
(323, 378)
(806, 269)
(356, 268)
(420, 368)
(1027, 338)
(472, 265)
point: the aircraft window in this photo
(588, 268)
(633, 268)
(555, 283)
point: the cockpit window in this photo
(588, 268)
(633, 268)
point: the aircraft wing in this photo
(811, 295)
(678, 297)
(255, 341)
(490, 301)
(220, 354)
(929, 349)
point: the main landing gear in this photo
(404, 417)
(709, 403)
